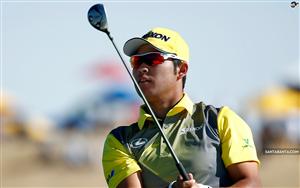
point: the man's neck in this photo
(162, 106)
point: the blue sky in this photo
(237, 48)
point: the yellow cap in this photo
(162, 39)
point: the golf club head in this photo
(97, 17)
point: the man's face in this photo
(156, 80)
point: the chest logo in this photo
(139, 142)
(188, 129)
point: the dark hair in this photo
(176, 63)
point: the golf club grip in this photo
(182, 171)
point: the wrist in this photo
(203, 186)
(171, 184)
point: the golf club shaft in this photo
(179, 165)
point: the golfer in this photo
(214, 144)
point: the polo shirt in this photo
(205, 139)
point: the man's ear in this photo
(183, 68)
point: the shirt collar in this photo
(185, 103)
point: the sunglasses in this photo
(152, 58)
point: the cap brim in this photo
(132, 45)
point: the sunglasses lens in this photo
(134, 60)
(148, 59)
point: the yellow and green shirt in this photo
(205, 139)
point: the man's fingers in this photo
(186, 184)
(189, 183)
(191, 176)
(179, 178)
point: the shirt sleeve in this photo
(236, 138)
(117, 162)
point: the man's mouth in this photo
(143, 80)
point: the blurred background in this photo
(63, 87)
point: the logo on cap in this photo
(156, 35)
(162, 39)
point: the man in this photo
(214, 144)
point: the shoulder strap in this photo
(208, 114)
(211, 114)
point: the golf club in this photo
(97, 18)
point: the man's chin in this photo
(146, 91)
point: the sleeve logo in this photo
(139, 142)
(112, 173)
(247, 144)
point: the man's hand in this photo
(191, 183)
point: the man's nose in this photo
(143, 68)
